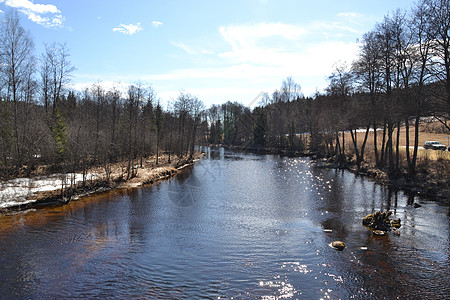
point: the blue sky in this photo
(217, 50)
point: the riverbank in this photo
(432, 179)
(60, 189)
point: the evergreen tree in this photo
(158, 128)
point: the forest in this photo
(399, 79)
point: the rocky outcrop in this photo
(380, 221)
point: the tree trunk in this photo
(390, 149)
(408, 156)
(416, 145)
(397, 150)
(363, 147)
(383, 147)
(375, 143)
(338, 144)
(355, 145)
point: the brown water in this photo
(235, 226)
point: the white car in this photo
(434, 145)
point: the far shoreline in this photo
(424, 185)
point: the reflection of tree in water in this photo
(392, 199)
(138, 224)
(339, 229)
(334, 203)
(216, 153)
(185, 190)
(382, 273)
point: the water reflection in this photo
(234, 226)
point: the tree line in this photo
(43, 122)
(400, 76)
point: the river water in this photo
(234, 226)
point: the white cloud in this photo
(29, 5)
(318, 60)
(350, 15)
(183, 46)
(156, 24)
(192, 50)
(243, 36)
(253, 44)
(255, 58)
(303, 48)
(262, 55)
(129, 29)
(56, 21)
(47, 15)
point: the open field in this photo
(424, 135)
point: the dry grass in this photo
(432, 155)
(432, 166)
(424, 135)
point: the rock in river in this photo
(338, 245)
(378, 221)
(379, 232)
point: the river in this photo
(234, 226)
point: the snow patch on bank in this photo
(23, 190)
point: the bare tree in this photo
(290, 90)
(341, 87)
(402, 35)
(386, 40)
(56, 72)
(438, 16)
(367, 69)
(132, 107)
(188, 109)
(113, 100)
(197, 107)
(16, 52)
(99, 98)
(419, 52)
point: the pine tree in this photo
(158, 128)
(60, 136)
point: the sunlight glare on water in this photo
(235, 226)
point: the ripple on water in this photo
(240, 226)
(277, 289)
